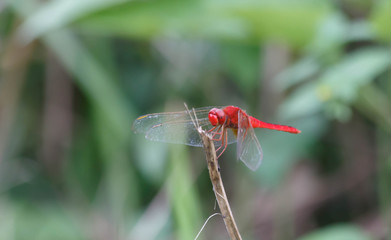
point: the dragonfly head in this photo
(216, 116)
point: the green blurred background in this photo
(75, 74)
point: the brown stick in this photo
(218, 186)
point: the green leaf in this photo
(344, 79)
(381, 19)
(337, 87)
(60, 14)
(304, 101)
(302, 70)
(294, 22)
(338, 232)
(330, 36)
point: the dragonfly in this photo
(225, 125)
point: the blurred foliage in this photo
(338, 232)
(75, 74)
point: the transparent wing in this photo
(249, 150)
(176, 127)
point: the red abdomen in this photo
(259, 124)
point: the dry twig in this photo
(217, 183)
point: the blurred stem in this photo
(13, 67)
(275, 58)
(284, 215)
(384, 179)
(374, 104)
(57, 116)
(218, 187)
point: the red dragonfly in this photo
(226, 125)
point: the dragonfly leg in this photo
(222, 133)
(223, 143)
(217, 126)
(219, 148)
(218, 139)
(218, 132)
(210, 130)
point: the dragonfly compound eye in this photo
(213, 119)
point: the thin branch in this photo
(216, 180)
(218, 186)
